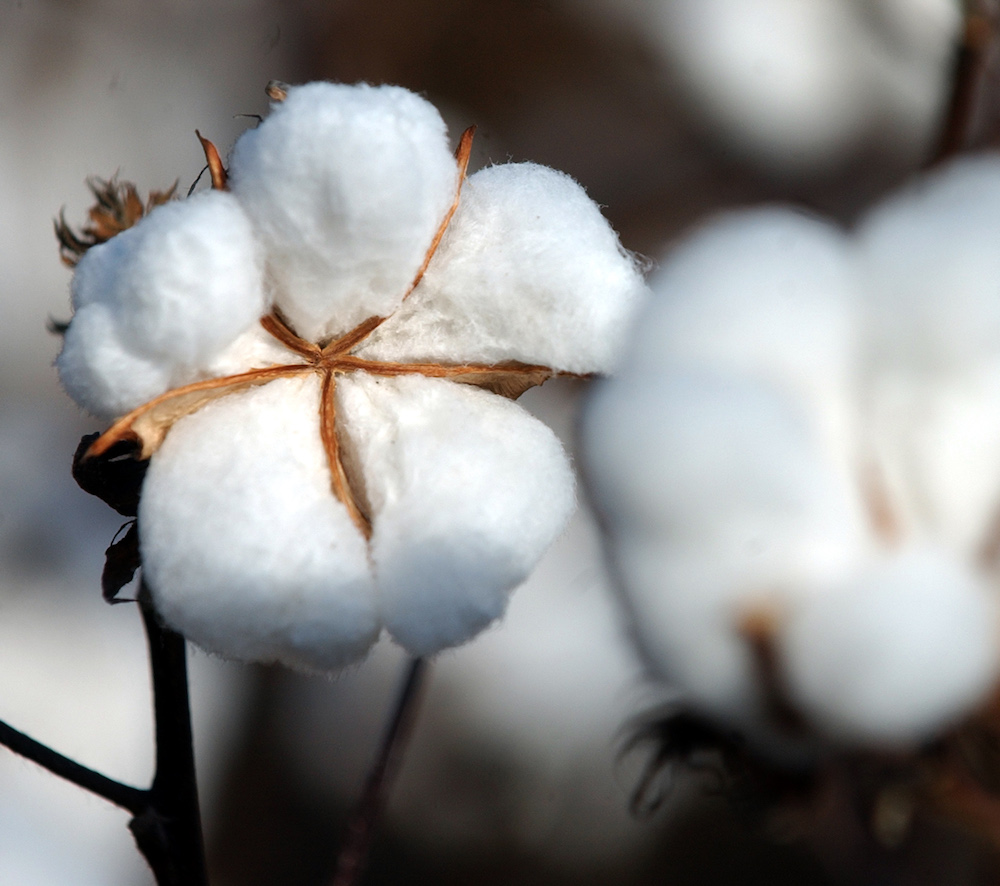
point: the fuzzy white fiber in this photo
(528, 270)
(346, 186)
(806, 431)
(155, 304)
(336, 198)
(907, 645)
(467, 492)
(244, 546)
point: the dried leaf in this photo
(121, 560)
(115, 478)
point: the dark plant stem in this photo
(168, 832)
(364, 820)
(166, 821)
(967, 78)
(132, 799)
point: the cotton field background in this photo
(665, 111)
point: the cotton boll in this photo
(931, 260)
(244, 547)
(720, 505)
(466, 491)
(346, 186)
(528, 270)
(781, 76)
(768, 293)
(102, 375)
(902, 650)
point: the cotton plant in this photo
(798, 468)
(307, 375)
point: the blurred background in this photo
(665, 110)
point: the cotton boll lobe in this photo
(186, 280)
(931, 262)
(467, 491)
(102, 375)
(769, 293)
(528, 270)
(719, 502)
(244, 547)
(346, 186)
(904, 648)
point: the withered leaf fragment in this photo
(121, 560)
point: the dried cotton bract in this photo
(312, 359)
(799, 466)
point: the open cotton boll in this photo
(898, 653)
(467, 491)
(244, 548)
(720, 505)
(346, 186)
(528, 270)
(931, 260)
(102, 375)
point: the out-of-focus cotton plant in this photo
(801, 85)
(799, 467)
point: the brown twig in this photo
(361, 828)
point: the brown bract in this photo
(118, 207)
(148, 424)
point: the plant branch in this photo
(168, 831)
(130, 798)
(361, 828)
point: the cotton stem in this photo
(361, 828)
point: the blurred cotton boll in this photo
(797, 466)
(800, 85)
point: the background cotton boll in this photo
(102, 375)
(467, 491)
(771, 293)
(800, 86)
(720, 504)
(346, 186)
(931, 259)
(897, 653)
(528, 270)
(245, 549)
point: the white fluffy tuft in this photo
(346, 186)
(175, 290)
(902, 650)
(467, 492)
(528, 270)
(244, 547)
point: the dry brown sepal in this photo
(117, 207)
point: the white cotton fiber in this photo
(931, 259)
(244, 546)
(467, 491)
(155, 304)
(100, 373)
(769, 294)
(346, 186)
(719, 504)
(898, 653)
(528, 270)
(182, 283)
